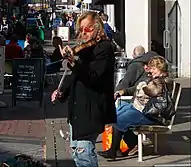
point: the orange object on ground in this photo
(107, 140)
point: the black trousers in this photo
(129, 137)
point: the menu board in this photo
(63, 33)
(27, 80)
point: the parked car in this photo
(35, 27)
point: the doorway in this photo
(171, 36)
(157, 26)
(164, 31)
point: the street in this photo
(31, 31)
(29, 129)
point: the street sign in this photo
(63, 33)
(2, 68)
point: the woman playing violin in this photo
(89, 88)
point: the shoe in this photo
(133, 151)
(119, 154)
(107, 154)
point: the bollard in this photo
(121, 63)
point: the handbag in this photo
(107, 140)
(160, 109)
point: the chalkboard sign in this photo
(27, 80)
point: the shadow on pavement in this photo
(185, 98)
(31, 110)
(4, 154)
(61, 163)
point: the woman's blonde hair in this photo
(159, 62)
(57, 41)
(95, 17)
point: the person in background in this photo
(90, 89)
(107, 28)
(135, 69)
(130, 114)
(20, 30)
(138, 51)
(70, 24)
(64, 19)
(28, 37)
(13, 50)
(56, 56)
(101, 13)
(57, 22)
(34, 49)
(2, 40)
(2, 43)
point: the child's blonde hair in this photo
(159, 62)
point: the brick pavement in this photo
(169, 152)
(24, 128)
(173, 148)
(11, 146)
(23, 131)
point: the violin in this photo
(84, 45)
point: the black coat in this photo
(91, 88)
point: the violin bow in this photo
(66, 71)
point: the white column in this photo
(184, 41)
(110, 11)
(137, 25)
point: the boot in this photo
(114, 151)
(131, 139)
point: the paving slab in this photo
(12, 146)
(22, 129)
(168, 151)
(28, 119)
(173, 148)
(55, 144)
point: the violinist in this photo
(89, 88)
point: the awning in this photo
(103, 2)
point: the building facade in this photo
(166, 22)
(145, 25)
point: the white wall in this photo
(185, 38)
(137, 24)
